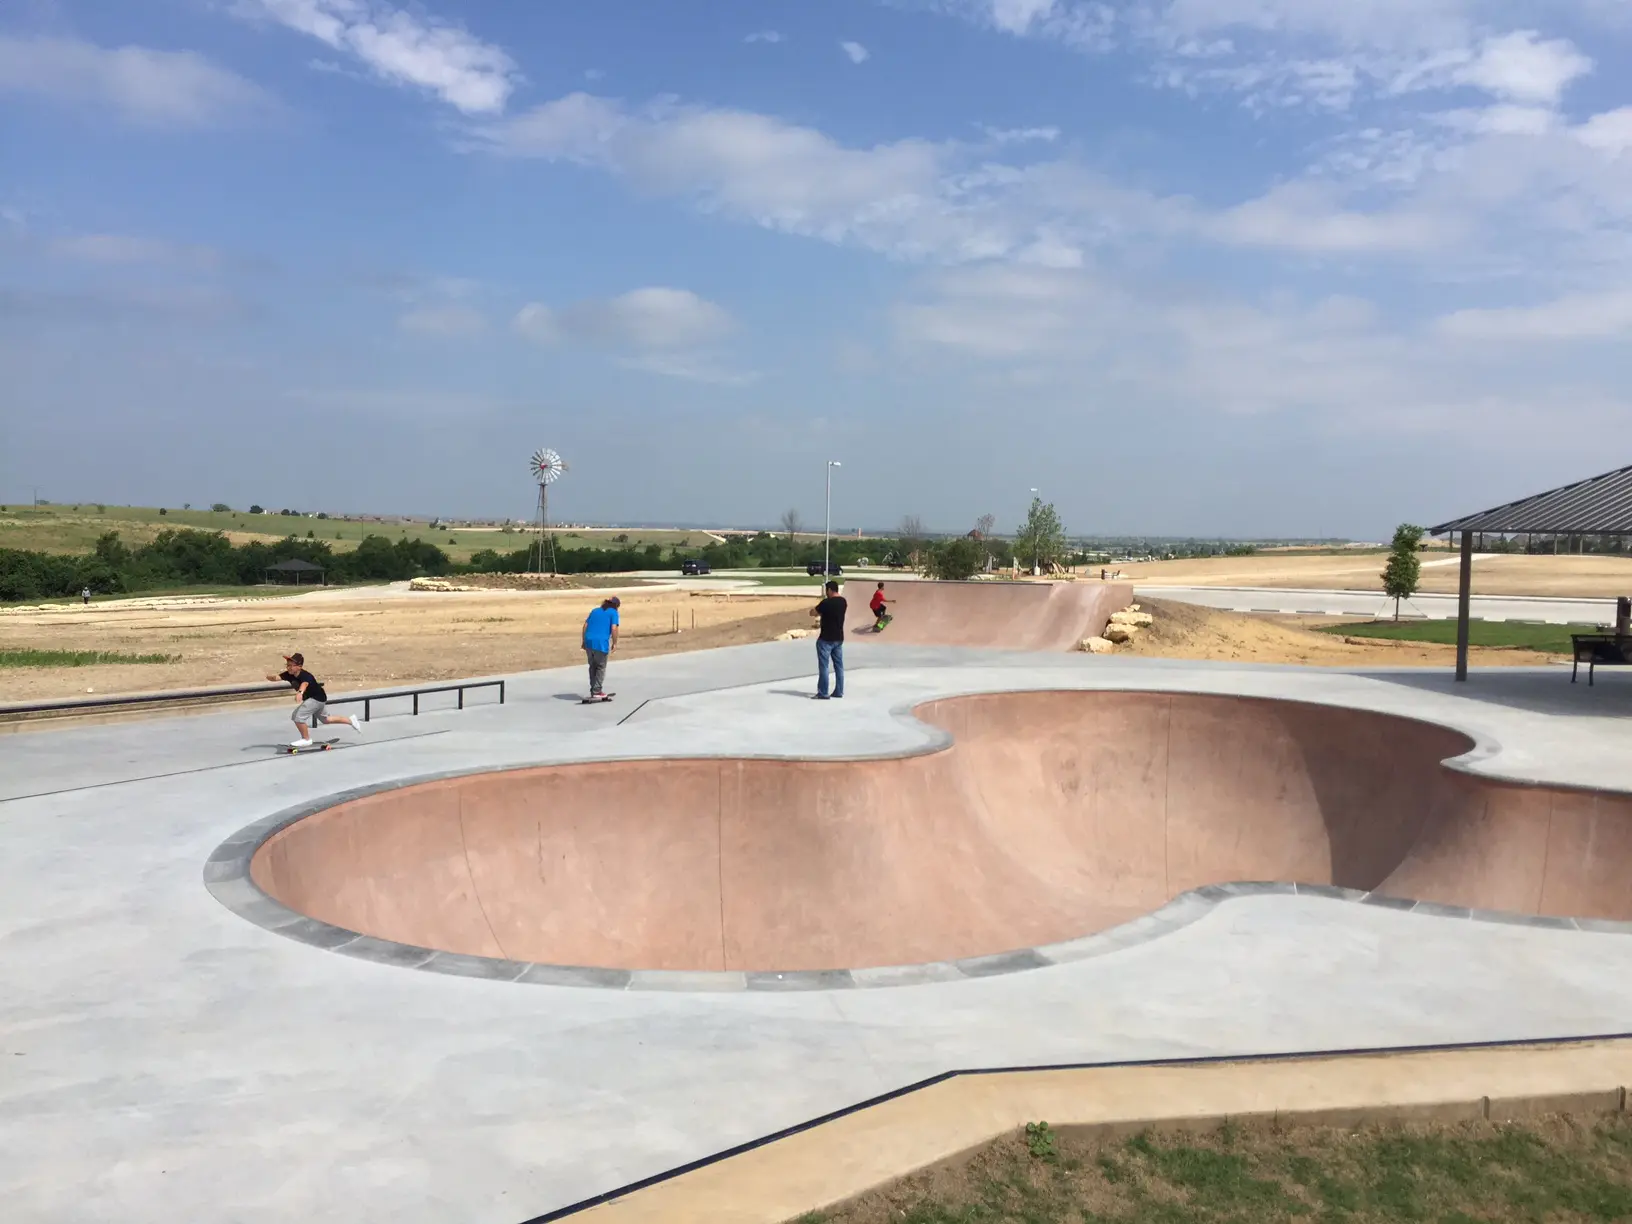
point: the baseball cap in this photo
(615, 602)
(297, 657)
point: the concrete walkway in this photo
(163, 1059)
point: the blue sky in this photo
(1227, 267)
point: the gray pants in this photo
(597, 670)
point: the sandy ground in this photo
(1184, 631)
(1593, 577)
(370, 640)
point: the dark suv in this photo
(695, 567)
(814, 569)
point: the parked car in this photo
(695, 567)
(814, 569)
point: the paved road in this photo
(1545, 610)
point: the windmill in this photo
(546, 467)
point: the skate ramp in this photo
(1003, 615)
(1052, 816)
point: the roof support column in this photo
(1463, 606)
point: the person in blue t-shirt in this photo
(600, 640)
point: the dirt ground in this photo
(1591, 577)
(1184, 631)
(365, 639)
(369, 640)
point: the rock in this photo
(1138, 620)
(1120, 633)
(1097, 645)
(793, 635)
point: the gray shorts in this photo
(309, 712)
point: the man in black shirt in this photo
(830, 641)
(313, 708)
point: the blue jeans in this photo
(826, 652)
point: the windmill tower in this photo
(546, 467)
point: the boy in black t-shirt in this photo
(313, 708)
(830, 641)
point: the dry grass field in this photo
(366, 638)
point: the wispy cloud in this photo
(141, 85)
(764, 36)
(403, 46)
(662, 330)
(656, 318)
(855, 51)
(453, 319)
(1581, 316)
(131, 249)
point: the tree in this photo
(792, 523)
(1403, 573)
(985, 525)
(911, 543)
(186, 505)
(1041, 539)
(221, 508)
(955, 560)
(256, 510)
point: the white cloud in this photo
(1307, 217)
(177, 89)
(857, 53)
(763, 36)
(452, 319)
(660, 330)
(1524, 67)
(129, 249)
(405, 47)
(1610, 131)
(1030, 135)
(1581, 316)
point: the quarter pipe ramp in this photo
(1007, 615)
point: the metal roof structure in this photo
(1601, 505)
(295, 566)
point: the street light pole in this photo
(827, 523)
(1034, 543)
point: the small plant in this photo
(101, 509)
(162, 510)
(184, 506)
(1040, 1141)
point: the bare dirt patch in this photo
(1587, 577)
(363, 641)
(1184, 631)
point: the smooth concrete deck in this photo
(161, 1058)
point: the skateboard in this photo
(314, 746)
(882, 621)
(597, 700)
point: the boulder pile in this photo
(495, 582)
(1124, 626)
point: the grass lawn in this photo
(1556, 1169)
(75, 658)
(1549, 639)
(69, 528)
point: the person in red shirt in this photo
(878, 606)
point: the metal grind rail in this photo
(80, 705)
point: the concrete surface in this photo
(1538, 609)
(165, 1059)
(1013, 615)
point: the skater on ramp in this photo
(600, 640)
(879, 607)
(830, 641)
(313, 710)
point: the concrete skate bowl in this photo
(1003, 615)
(1051, 816)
